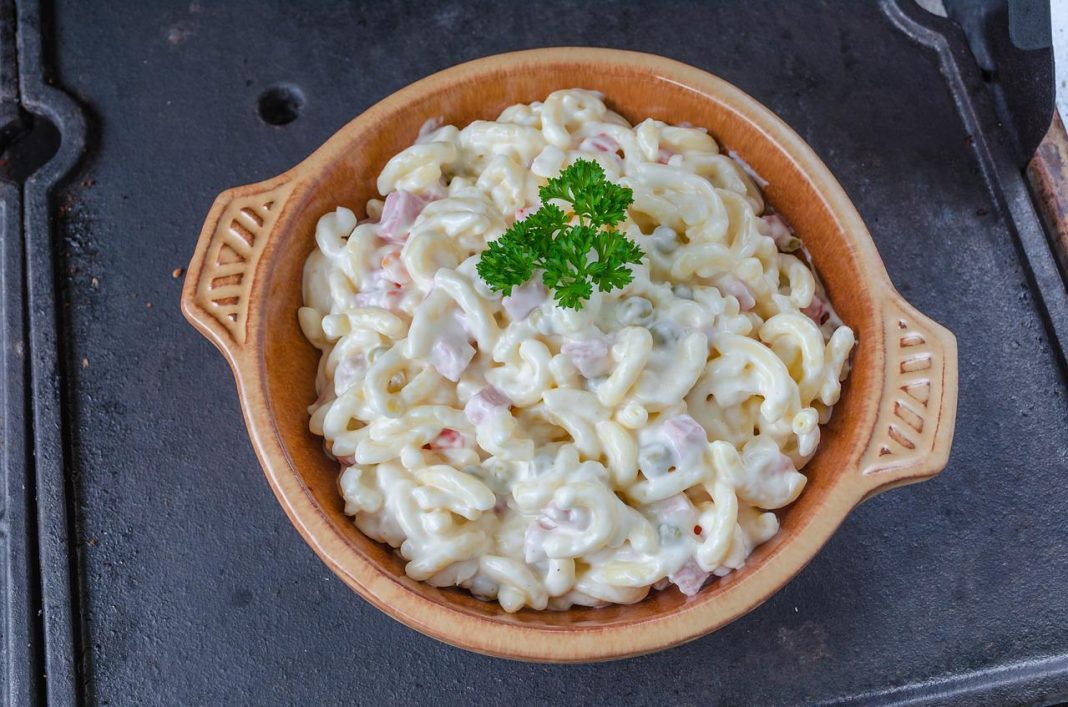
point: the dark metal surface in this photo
(998, 137)
(1030, 24)
(54, 471)
(1005, 41)
(40, 606)
(19, 646)
(194, 588)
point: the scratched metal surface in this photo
(196, 589)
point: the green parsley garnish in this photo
(547, 241)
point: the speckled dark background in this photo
(196, 589)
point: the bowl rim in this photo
(239, 336)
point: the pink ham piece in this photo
(398, 215)
(393, 268)
(551, 518)
(777, 228)
(675, 510)
(780, 232)
(438, 190)
(590, 356)
(816, 310)
(689, 578)
(687, 438)
(347, 373)
(347, 460)
(451, 353)
(525, 299)
(734, 287)
(450, 358)
(448, 439)
(663, 155)
(384, 295)
(600, 143)
(483, 403)
(501, 505)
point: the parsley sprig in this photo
(546, 240)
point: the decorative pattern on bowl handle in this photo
(914, 424)
(216, 292)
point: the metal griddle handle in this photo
(914, 423)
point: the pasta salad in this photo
(546, 455)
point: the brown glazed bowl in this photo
(893, 426)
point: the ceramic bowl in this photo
(893, 426)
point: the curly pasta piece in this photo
(524, 382)
(417, 167)
(804, 333)
(445, 487)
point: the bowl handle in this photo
(918, 404)
(215, 295)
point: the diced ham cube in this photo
(448, 439)
(816, 310)
(600, 143)
(731, 285)
(484, 403)
(686, 436)
(398, 215)
(383, 297)
(525, 299)
(346, 460)
(778, 231)
(451, 353)
(393, 268)
(663, 155)
(689, 578)
(590, 356)
(451, 357)
(781, 232)
(677, 511)
(437, 190)
(348, 372)
(551, 518)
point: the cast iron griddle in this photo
(190, 586)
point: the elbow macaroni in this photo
(546, 457)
